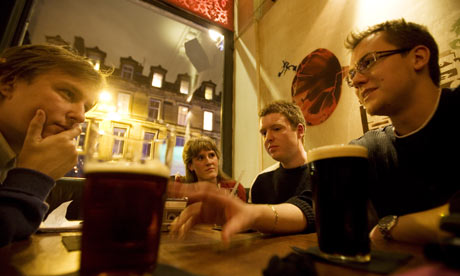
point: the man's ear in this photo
(300, 130)
(6, 89)
(421, 57)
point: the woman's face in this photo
(205, 165)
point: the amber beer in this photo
(123, 209)
(340, 192)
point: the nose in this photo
(359, 79)
(268, 137)
(77, 113)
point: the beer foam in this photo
(332, 151)
(153, 167)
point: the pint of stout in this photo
(340, 192)
(123, 206)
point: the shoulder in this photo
(450, 96)
(375, 137)
(266, 172)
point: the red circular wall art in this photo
(317, 85)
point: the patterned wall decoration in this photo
(317, 85)
(449, 60)
(217, 11)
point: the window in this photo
(127, 71)
(157, 80)
(207, 120)
(81, 138)
(208, 91)
(184, 85)
(180, 141)
(182, 115)
(123, 102)
(147, 146)
(154, 109)
(118, 143)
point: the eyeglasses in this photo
(368, 60)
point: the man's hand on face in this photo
(54, 155)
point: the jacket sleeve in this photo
(22, 205)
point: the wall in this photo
(290, 30)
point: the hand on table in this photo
(54, 155)
(215, 206)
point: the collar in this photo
(426, 121)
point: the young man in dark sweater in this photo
(44, 94)
(395, 71)
(282, 127)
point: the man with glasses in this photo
(395, 72)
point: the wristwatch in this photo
(386, 224)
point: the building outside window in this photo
(147, 146)
(182, 115)
(127, 71)
(124, 100)
(118, 144)
(207, 120)
(154, 109)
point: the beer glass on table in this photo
(340, 194)
(123, 202)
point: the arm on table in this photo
(22, 205)
(237, 216)
(420, 228)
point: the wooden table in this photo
(201, 253)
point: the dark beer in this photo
(123, 209)
(340, 193)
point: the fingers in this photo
(71, 133)
(185, 221)
(34, 131)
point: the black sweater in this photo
(280, 185)
(420, 171)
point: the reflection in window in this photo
(147, 146)
(157, 80)
(127, 71)
(154, 109)
(118, 143)
(123, 102)
(208, 91)
(182, 115)
(207, 120)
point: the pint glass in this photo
(123, 202)
(340, 193)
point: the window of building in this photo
(207, 120)
(154, 109)
(124, 100)
(182, 115)
(208, 91)
(147, 146)
(184, 86)
(118, 143)
(127, 71)
(180, 141)
(157, 80)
